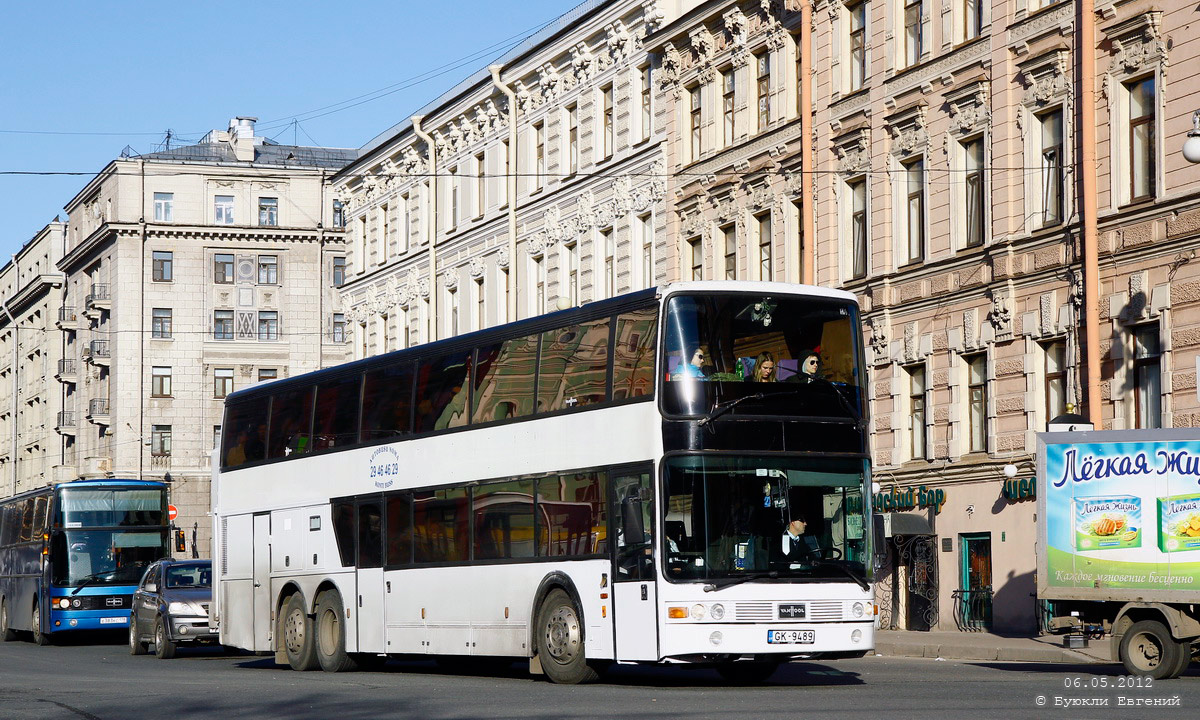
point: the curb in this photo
(951, 651)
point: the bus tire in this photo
(39, 637)
(560, 642)
(331, 634)
(136, 646)
(164, 648)
(7, 634)
(295, 633)
(1148, 649)
(747, 673)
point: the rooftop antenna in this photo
(167, 140)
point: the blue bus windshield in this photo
(103, 507)
(104, 557)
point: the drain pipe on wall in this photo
(433, 223)
(1087, 192)
(16, 384)
(807, 178)
(510, 309)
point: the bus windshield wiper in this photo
(854, 414)
(730, 582)
(721, 408)
(89, 579)
(862, 583)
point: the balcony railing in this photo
(66, 418)
(99, 348)
(66, 366)
(67, 315)
(99, 293)
(98, 406)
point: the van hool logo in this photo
(385, 467)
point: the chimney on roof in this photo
(241, 131)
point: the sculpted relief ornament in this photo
(909, 135)
(1138, 44)
(970, 113)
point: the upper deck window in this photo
(771, 355)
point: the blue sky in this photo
(93, 77)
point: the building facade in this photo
(29, 362)
(190, 273)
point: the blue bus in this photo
(71, 555)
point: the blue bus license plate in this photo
(788, 637)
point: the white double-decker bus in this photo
(618, 482)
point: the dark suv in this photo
(170, 606)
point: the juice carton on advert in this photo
(1179, 523)
(1108, 523)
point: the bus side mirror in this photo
(879, 537)
(180, 543)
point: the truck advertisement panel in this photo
(1120, 514)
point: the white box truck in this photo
(1119, 541)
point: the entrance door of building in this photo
(974, 598)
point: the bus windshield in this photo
(761, 355)
(104, 557)
(797, 519)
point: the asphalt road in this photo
(99, 680)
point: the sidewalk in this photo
(985, 646)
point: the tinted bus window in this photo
(440, 527)
(633, 354)
(370, 535)
(291, 420)
(504, 381)
(504, 520)
(343, 530)
(399, 530)
(573, 369)
(387, 402)
(335, 422)
(26, 521)
(572, 515)
(442, 392)
(245, 432)
(39, 514)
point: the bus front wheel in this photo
(295, 634)
(7, 634)
(560, 641)
(39, 637)
(331, 634)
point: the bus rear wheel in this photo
(39, 637)
(560, 641)
(295, 634)
(331, 634)
(7, 634)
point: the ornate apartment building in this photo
(929, 157)
(535, 183)
(29, 360)
(189, 273)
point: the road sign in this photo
(172, 512)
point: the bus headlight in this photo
(716, 638)
(856, 636)
(697, 612)
(64, 603)
(76, 603)
(857, 609)
(717, 611)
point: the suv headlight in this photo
(182, 608)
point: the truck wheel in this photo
(560, 641)
(164, 648)
(39, 637)
(1185, 659)
(7, 634)
(331, 634)
(294, 632)
(1147, 648)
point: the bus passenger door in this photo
(634, 593)
(262, 581)
(371, 636)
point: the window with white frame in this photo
(728, 106)
(570, 273)
(695, 248)
(268, 325)
(339, 214)
(222, 324)
(1147, 377)
(977, 402)
(223, 268)
(339, 270)
(1054, 355)
(766, 256)
(265, 374)
(913, 187)
(729, 235)
(1053, 185)
(223, 210)
(452, 181)
(452, 311)
(404, 231)
(383, 215)
(762, 63)
(647, 107)
(856, 42)
(480, 184)
(913, 37)
(160, 382)
(162, 262)
(606, 122)
(538, 273)
(539, 154)
(645, 224)
(856, 192)
(480, 305)
(501, 189)
(609, 248)
(222, 382)
(268, 211)
(971, 22)
(268, 269)
(975, 191)
(339, 328)
(160, 327)
(160, 440)
(1142, 150)
(571, 137)
(163, 203)
(695, 129)
(916, 411)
